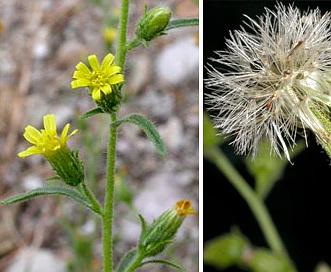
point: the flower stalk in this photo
(254, 202)
(121, 40)
(107, 219)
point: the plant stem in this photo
(254, 202)
(107, 217)
(121, 40)
(135, 263)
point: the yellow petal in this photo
(93, 61)
(80, 74)
(112, 70)
(79, 83)
(64, 131)
(32, 150)
(107, 61)
(96, 94)
(81, 67)
(106, 89)
(116, 79)
(32, 135)
(49, 123)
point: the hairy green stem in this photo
(254, 202)
(107, 216)
(121, 40)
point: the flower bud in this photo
(152, 23)
(155, 238)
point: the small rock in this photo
(177, 61)
(31, 182)
(41, 47)
(140, 73)
(173, 134)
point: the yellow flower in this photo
(99, 78)
(46, 140)
(183, 207)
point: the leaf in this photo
(49, 191)
(126, 260)
(162, 262)
(149, 129)
(143, 228)
(182, 23)
(91, 113)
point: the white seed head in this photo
(269, 77)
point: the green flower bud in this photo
(152, 23)
(155, 238)
(226, 250)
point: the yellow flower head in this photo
(99, 78)
(46, 140)
(183, 208)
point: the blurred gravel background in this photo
(40, 43)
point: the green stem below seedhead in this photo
(254, 202)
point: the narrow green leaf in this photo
(91, 113)
(182, 23)
(162, 262)
(149, 129)
(48, 191)
(126, 260)
(143, 228)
